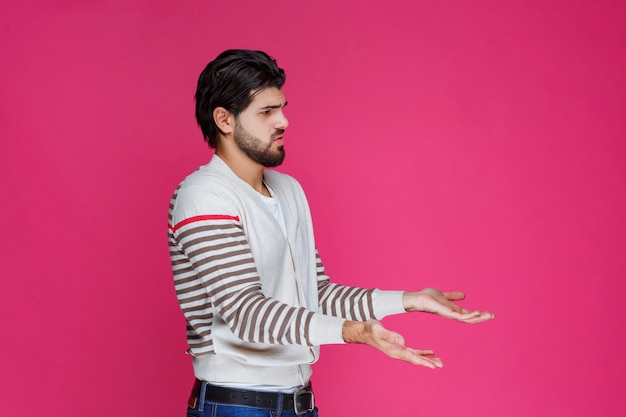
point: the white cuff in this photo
(326, 330)
(387, 303)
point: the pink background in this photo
(463, 145)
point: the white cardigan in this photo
(257, 303)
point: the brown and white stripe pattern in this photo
(340, 301)
(215, 273)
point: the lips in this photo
(278, 137)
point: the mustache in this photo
(278, 133)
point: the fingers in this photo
(392, 345)
(462, 314)
(484, 316)
(432, 363)
(414, 356)
(454, 295)
(424, 358)
(475, 317)
(422, 352)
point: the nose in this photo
(282, 122)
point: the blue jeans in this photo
(221, 410)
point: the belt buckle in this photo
(303, 407)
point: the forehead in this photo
(270, 96)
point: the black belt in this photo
(301, 401)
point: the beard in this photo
(256, 149)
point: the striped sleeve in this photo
(214, 272)
(355, 303)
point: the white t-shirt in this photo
(274, 206)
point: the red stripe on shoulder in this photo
(203, 217)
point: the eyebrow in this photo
(273, 106)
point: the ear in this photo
(224, 120)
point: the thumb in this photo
(396, 338)
(454, 295)
(382, 334)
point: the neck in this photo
(245, 168)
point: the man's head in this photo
(231, 81)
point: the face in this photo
(259, 129)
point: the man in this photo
(247, 272)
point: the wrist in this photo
(410, 301)
(352, 331)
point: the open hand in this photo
(430, 300)
(373, 333)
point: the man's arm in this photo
(357, 305)
(212, 260)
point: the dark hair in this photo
(231, 81)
